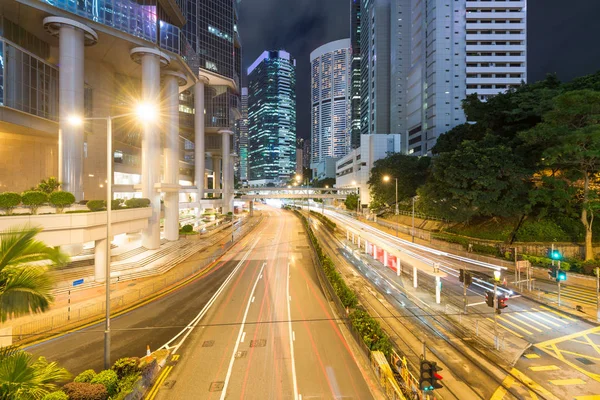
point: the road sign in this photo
(78, 282)
(524, 264)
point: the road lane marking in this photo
(550, 316)
(503, 327)
(544, 319)
(588, 397)
(566, 382)
(531, 356)
(544, 368)
(531, 384)
(175, 357)
(294, 377)
(568, 337)
(161, 378)
(237, 343)
(253, 299)
(501, 391)
(290, 297)
(294, 335)
(534, 321)
(243, 337)
(523, 322)
(515, 325)
(557, 313)
(190, 327)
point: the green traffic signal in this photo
(556, 255)
(561, 276)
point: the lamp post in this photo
(146, 113)
(387, 179)
(357, 199)
(496, 280)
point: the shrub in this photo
(187, 229)
(371, 332)
(96, 205)
(137, 203)
(83, 202)
(126, 386)
(588, 267)
(85, 391)
(109, 379)
(58, 395)
(61, 199)
(85, 376)
(116, 204)
(48, 185)
(126, 366)
(541, 231)
(34, 199)
(9, 200)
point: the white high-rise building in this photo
(331, 123)
(420, 59)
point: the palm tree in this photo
(24, 281)
(23, 377)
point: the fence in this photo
(76, 315)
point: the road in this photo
(270, 334)
(563, 358)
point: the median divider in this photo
(366, 330)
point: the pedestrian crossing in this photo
(531, 323)
(579, 295)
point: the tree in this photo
(411, 172)
(24, 378)
(351, 202)
(48, 185)
(25, 284)
(569, 138)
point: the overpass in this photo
(295, 193)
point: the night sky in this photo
(562, 37)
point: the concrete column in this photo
(216, 160)
(100, 260)
(199, 138)
(251, 208)
(375, 252)
(366, 246)
(415, 277)
(398, 266)
(358, 243)
(385, 258)
(73, 36)
(352, 237)
(151, 60)
(171, 81)
(438, 290)
(226, 170)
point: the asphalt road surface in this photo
(270, 334)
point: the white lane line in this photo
(190, 327)
(294, 335)
(253, 299)
(290, 297)
(243, 337)
(294, 378)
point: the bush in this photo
(126, 386)
(85, 391)
(61, 199)
(9, 200)
(96, 205)
(187, 229)
(85, 376)
(109, 379)
(34, 199)
(589, 267)
(545, 262)
(541, 231)
(137, 203)
(371, 332)
(58, 395)
(126, 366)
(116, 204)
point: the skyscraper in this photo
(330, 101)
(241, 142)
(272, 118)
(420, 59)
(355, 93)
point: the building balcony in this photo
(493, 48)
(493, 81)
(496, 59)
(472, 25)
(495, 15)
(476, 4)
(495, 37)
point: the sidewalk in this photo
(75, 308)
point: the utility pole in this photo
(496, 279)
(558, 281)
(413, 219)
(597, 293)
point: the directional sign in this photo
(78, 282)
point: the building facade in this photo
(241, 139)
(420, 59)
(331, 88)
(272, 119)
(355, 71)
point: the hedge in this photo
(34, 199)
(85, 376)
(109, 379)
(96, 205)
(85, 391)
(58, 395)
(187, 229)
(9, 200)
(326, 221)
(368, 328)
(126, 366)
(137, 203)
(61, 199)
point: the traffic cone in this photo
(148, 350)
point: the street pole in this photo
(517, 269)
(465, 291)
(597, 293)
(558, 281)
(413, 219)
(109, 160)
(396, 207)
(496, 314)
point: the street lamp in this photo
(357, 199)
(146, 113)
(387, 178)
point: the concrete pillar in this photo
(100, 260)
(366, 246)
(385, 258)
(199, 139)
(438, 290)
(398, 266)
(251, 208)
(171, 81)
(358, 243)
(73, 36)
(216, 160)
(151, 60)
(226, 170)
(375, 252)
(415, 277)
(352, 237)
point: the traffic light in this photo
(436, 377)
(561, 276)
(501, 304)
(461, 276)
(489, 298)
(552, 271)
(468, 278)
(555, 254)
(426, 376)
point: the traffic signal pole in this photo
(558, 279)
(465, 294)
(496, 315)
